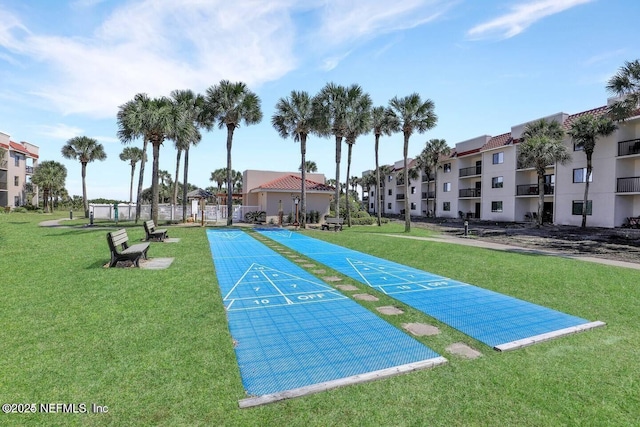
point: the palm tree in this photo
(219, 176)
(50, 176)
(190, 104)
(625, 84)
(541, 148)
(86, 150)
(329, 109)
(230, 104)
(133, 155)
(357, 122)
(133, 113)
(294, 117)
(382, 123)
(309, 166)
(412, 114)
(429, 160)
(155, 120)
(584, 132)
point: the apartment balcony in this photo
(365, 198)
(628, 185)
(3, 185)
(471, 171)
(428, 194)
(28, 169)
(426, 178)
(533, 190)
(399, 196)
(469, 192)
(629, 147)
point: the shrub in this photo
(363, 221)
(20, 209)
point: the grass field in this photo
(154, 347)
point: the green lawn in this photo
(154, 347)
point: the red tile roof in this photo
(498, 141)
(21, 149)
(293, 183)
(466, 153)
(596, 112)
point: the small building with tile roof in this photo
(272, 191)
(17, 161)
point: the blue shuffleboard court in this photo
(294, 334)
(498, 320)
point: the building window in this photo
(413, 190)
(496, 182)
(498, 158)
(576, 207)
(388, 205)
(447, 167)
(371, 205)
(413, 206)
(16, 181)
(446, 206)
(372, 194)
(496, 206)
(16, 161)
(16, 201)
(577, 147)
(390, 192)
(390, 177)
(446, 187)
(580, 175)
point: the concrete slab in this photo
(421, 329)
(319, 271)
(308, 265)
(331, 279)
(366, 297)
(389, 310)
(347, 287)
(461, 349)
(156, 263)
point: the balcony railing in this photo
(532, 189)
(469, 192)
(473, 170)
(28, 169)
(426, 178)
(628, 185)
(400, 196)
(3, 164)
(428, 194)
(3, 185)
(629, 147)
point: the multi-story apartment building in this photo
(16, 167)
(483, 179)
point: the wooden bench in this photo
(121, 251)
(153, 233)
(335, 223)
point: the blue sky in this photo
(66, 66)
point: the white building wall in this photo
(506, 194)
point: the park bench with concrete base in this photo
(153, 233)
(121, 251)
(335, 223)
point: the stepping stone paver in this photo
(308, 265)
(331, 279)
(461, 349)
(421, 329)
(390, 310)
(366, 297)
(347, 287)
(319, 271)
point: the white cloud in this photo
(61, 131)
(603, 57)
(156, 47)
(521, 17)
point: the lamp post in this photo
(296, 201)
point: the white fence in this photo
(168, 212)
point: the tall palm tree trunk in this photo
(141, 179)
(435, 193)
(303, 173)
(377, 193)
(85, 202)
(540, 196)
(154, 180)
(230, 129)
(184, 185)
(407, 215)
(133, 172)
(338, 155)
(174, 199)
(586, 191)
(349, 147)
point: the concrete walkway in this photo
(508, 248)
